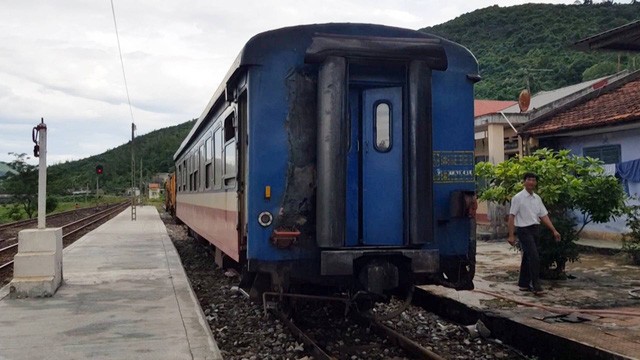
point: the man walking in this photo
(525, 214)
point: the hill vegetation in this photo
(154, 154)
(531, 43)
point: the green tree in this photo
(567, 183)
(599, 70)
(23, 186)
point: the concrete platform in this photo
(604, 320)
(125, 295)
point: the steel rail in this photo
(316, 350)
(113, 210)
(8, 247)
(404, 342)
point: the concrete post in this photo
(42, 175)
(495, 135)
(37, 267)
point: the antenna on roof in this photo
(524, 99)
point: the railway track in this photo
(21, 224)
(9, 246)
(387, 334)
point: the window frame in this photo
(389, 125)
(617, 148)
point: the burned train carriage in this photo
(337, 154)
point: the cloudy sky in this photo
(59, 59)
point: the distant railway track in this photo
(70, 231)
(26, 222)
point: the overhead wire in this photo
(124, 76)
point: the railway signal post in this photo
(37, 270)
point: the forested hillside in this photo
(155, 150)
(532, 41)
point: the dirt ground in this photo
(595, 281)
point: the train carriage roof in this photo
(323, 40)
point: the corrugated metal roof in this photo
(623, 38)
(547, 97)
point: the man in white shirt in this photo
(525, 214)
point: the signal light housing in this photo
(99, 169)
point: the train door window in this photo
(217, 161)
(229, 170)
(382, 126)
(208, 167)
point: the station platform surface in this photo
(125, 295)
(595, 312)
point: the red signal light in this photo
(99, 169)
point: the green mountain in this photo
(531, 43)
(154, 150)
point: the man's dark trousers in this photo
(530, 265)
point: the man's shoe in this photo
(521, 288)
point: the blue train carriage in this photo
(337, 154)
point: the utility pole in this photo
(133, 172)
(141, 185)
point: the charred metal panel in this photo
(420, 148)
(429, 51)
(332, 145)
(298, 206)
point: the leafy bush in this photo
(52, 204)
(631, 240)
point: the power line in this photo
(124, 76)
(133, 123)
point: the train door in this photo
(375, 195)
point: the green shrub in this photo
(631, 240)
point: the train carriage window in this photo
(191, 163)
(229, 130)
(179, 178)
(184, 175)
(208, 167)
(230, 163)
(203, 160)
(196, 173)
(217, 154)
(382, 126)
(229, 171)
